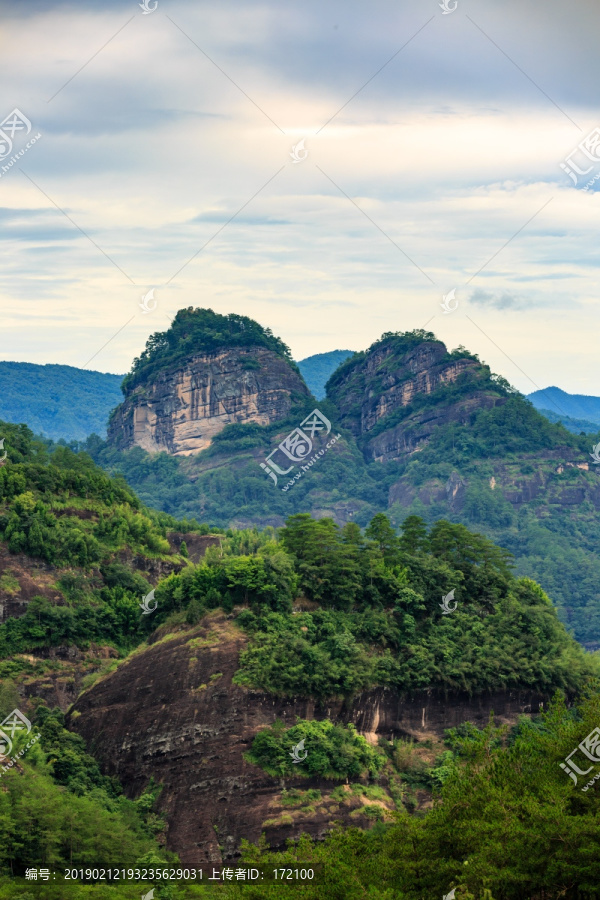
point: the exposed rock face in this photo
(172, 712)
(388, 380)
(184, 408)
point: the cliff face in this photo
(388, 380)
(172, 712)
(184, 408)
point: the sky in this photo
(333, 170)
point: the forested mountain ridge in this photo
(58, 401)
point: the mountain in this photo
(58, 401)
(576, 406)
(206, 372)
(406, 427)
(313, 637)
(317, 369)
(304, 684)
(576, 426)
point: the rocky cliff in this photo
(392, 377)
(172, 712)
(184, 408)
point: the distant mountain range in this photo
(58, 401)
(577, 412)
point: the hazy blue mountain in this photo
(574, 425)
(575, 406)
(317, 369)
(58, 401)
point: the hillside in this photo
(316, 370)
(58, 401)
(576, 426)
(179, 723)
(322, 629)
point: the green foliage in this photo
(195, 331)
(332, 751)
(385, 627)
(61, 811)
(61, 402)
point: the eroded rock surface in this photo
(182, 410)
(172, 712)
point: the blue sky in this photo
(164, 162)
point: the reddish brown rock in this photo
(171, 712)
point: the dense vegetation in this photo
(576, 426)
(199, 331)
(58, 810)
(59, 507)
(325, 750)
(329, 611)
(374, 611)
(58, 401)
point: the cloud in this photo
(170, 150)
